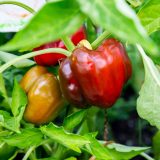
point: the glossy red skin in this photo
(95, 77)
(50, 59)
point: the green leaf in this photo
(156, 145)
(5, 57)
(118, 18)
(25, 139)
(135, 3)
(19, 100)
(54, 20)
(148, 100)
(120, 152)
(74, 119)
(97, 149)
(59, 135)
(150, 16)
(9, 122)
(71, 158)
(3, 92)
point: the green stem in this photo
(32, 54)
(30, 150)
(68, 43)
(47, 148)
(100, 39)
(146, 156)
(29, 9)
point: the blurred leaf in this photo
(135, 3)
(120, 152)
(25, 139)
(19, 100)
(9, 122)
(150, 16)
(54, 20)
(97, 149)
(59, 135)
(119, 19)
(71, 158)
(148, 100)
(156, 145)
(91, 31)
(83, 128)
(5, 57)
(74, 119)
(3, 92)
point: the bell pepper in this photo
(50, 59)
(95, 77)
(44, 95)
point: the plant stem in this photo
(146, 156)
(100, 39)
(105, 135)
(68, 43)
(32, 54)
(47, 148)
(30, 150)
(29, 9)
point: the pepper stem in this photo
(100, 39)
(22, 5)
(85, 43)
(32, 54)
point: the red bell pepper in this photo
(95, 77)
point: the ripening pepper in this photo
(44, 95)
(95, 77)
(50, 59)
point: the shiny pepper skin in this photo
(50, 59)
(95, 77)
(44, 95)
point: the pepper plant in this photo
(62, 109)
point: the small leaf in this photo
(3, 92)
(19, 100)
(97, 149)
(25, 139)
(9, 122)
(74, 119)
(120, 152)
(148, 100)
(60, 18)
(59, 135)
(5, 57)
(156, 145)
(150, 16)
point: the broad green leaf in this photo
(120, 152)
(5, 57)
(118, 18)
(54, 20)
(156, 145)
(148, 101)
(19, 100)
(74, 119)
(9, 122)
(58, 134)
(150, 16)
(97, 149)
(25, 139)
